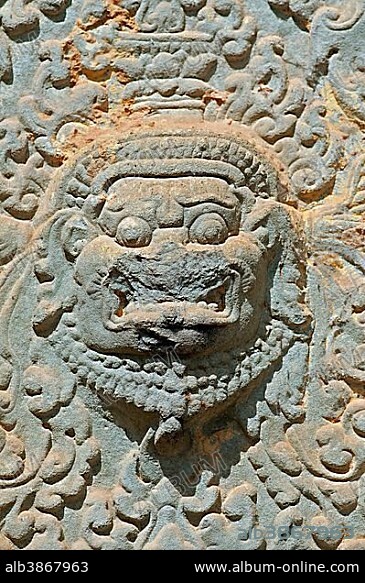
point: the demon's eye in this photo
(208, 229)
(134, 232)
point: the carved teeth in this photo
(215, 298)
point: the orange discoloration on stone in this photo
(219, 97)
(73, 57)
(355, 237)
(332, 260)
(84, 136)
(79, 73)
(113, 12)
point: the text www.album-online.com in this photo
(256, 567)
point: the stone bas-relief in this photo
(182, 276)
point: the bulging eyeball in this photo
(208, 229)
(134, 232)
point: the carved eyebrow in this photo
(206, 199)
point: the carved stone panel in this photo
(182, 274)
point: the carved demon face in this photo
(170, 269)
(191, 257)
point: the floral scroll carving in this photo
(181, 274)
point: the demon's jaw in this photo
(186, 299)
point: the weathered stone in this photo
(182, 274)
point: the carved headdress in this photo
(185, 297)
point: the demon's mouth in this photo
(215, 306)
